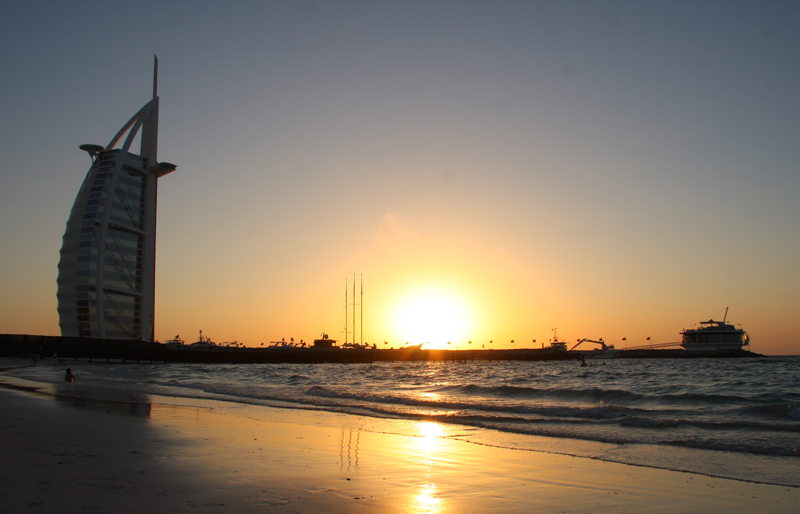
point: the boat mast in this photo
(362, 309)
(345, 311)
(354, 307)
(726, 314)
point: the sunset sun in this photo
(432, 316)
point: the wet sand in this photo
(179, 455)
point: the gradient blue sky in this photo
(613, 169)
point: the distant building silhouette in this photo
(106, 275)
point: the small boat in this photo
(283, 345)
(356, 346)
(712, 336)
(555, 344)
(175, 343)
(324, 342)
(203, 342)
(605, 351)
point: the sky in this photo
(493, 170)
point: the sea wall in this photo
(80, 348)
(108, 350)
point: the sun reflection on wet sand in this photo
(430, 432)
(426, 499)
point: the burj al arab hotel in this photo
(106, 275)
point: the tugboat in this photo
(714, 336)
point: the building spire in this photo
(155, 75)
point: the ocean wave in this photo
(701, 399)
(598, 411)
(790, 411)
(651, 422)
(506, 391)
(294, 379)
(736, 447)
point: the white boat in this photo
(712, 336)
(356, 346)
(555, 344)
(604, 352)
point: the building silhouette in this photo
(106, 275)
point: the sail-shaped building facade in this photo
(106, 275)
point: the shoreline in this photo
(762, 468)
(180, 454)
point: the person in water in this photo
(69, 377)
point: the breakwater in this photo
(108, 350)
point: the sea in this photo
(731, 418)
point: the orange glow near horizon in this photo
(433, 316)
(575, 182)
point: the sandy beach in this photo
(164, 454)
